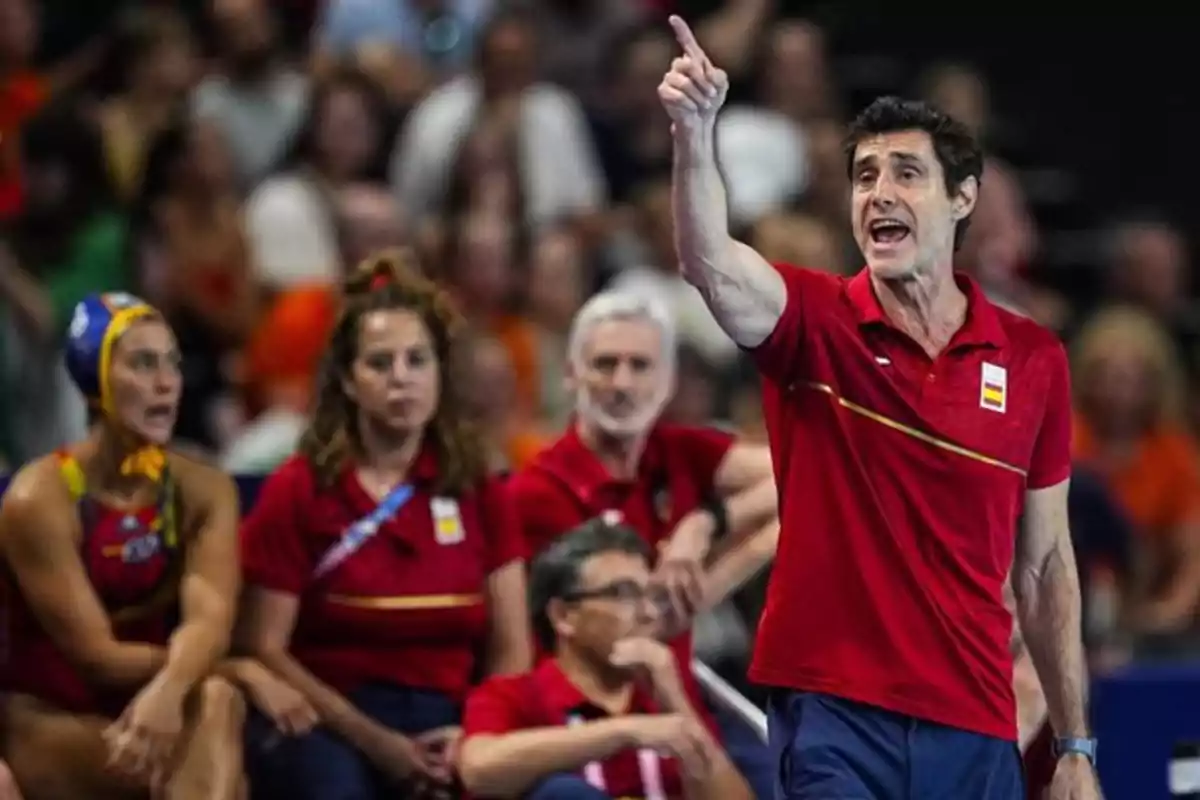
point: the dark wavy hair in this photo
(392, 280)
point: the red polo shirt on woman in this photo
(409, 607)
(901, 479)
(567, 485)
(545, 698)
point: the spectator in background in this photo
(483, 257)
(157, 69)
(416, 42)
(69, 241)
(607, 715)
(258, 101)
(194, 265)
(680, 488)
(557, 289)
(282, 359)
(658, 276)
(794, 238)
(1148, 267)
(23, 92)
(369, 220)
(290, 217)
(560, 174)
(492, 400)
(633, 138)
(1128, 388)
(384, 566)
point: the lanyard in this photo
(648, 765)
(360, 532)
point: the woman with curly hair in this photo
(383, 564)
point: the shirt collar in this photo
(575, 463)
(565, 698)
(424, 472)
(981, 327)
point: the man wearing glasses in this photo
(606, 716)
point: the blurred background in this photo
(229, 159)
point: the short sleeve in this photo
(534, 505)
(495, 707)
(505, 541)
(704, 450)
(1051, 461)
(274, 555)
(777, 355)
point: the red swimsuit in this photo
(131, 559)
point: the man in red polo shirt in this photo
(914, 427)
(679, 487)
(607, 715)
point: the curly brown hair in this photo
(393, 280)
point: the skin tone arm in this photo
(745, 294)
(1046, 585)
(38, 537)
(211, 582)
(265, 631)
(510, 643)
(746, 480)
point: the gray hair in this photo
(621, 305)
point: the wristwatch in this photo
(1071, 745)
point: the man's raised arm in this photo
(745, 294)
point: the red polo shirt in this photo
(546, 698)
(410, 606)
(901, 480)
(567, 485)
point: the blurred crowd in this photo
(229, 160)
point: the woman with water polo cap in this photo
(121, 565)
(384, 565)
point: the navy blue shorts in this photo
(835, 749)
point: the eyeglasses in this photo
(621, 591)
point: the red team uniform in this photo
(133, 562)
(566, 485)
(408, 608)
(546, 698)
(901, 482)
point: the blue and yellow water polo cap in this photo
(96, 324)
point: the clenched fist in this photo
(693, 90)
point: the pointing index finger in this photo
(687, 39)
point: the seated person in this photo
(384, 565)
(703, 500)
(121, 565)
(607, 716)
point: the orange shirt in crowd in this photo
(286, 348)
(21, 96)
(519, 339)
(1159, 486)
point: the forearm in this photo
(335, 711)
(1048, 605)
(701, 208)
(125, 665)
(752, 508)
(195, 649)
(740, 564)
(723, 781)
(508, 765)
